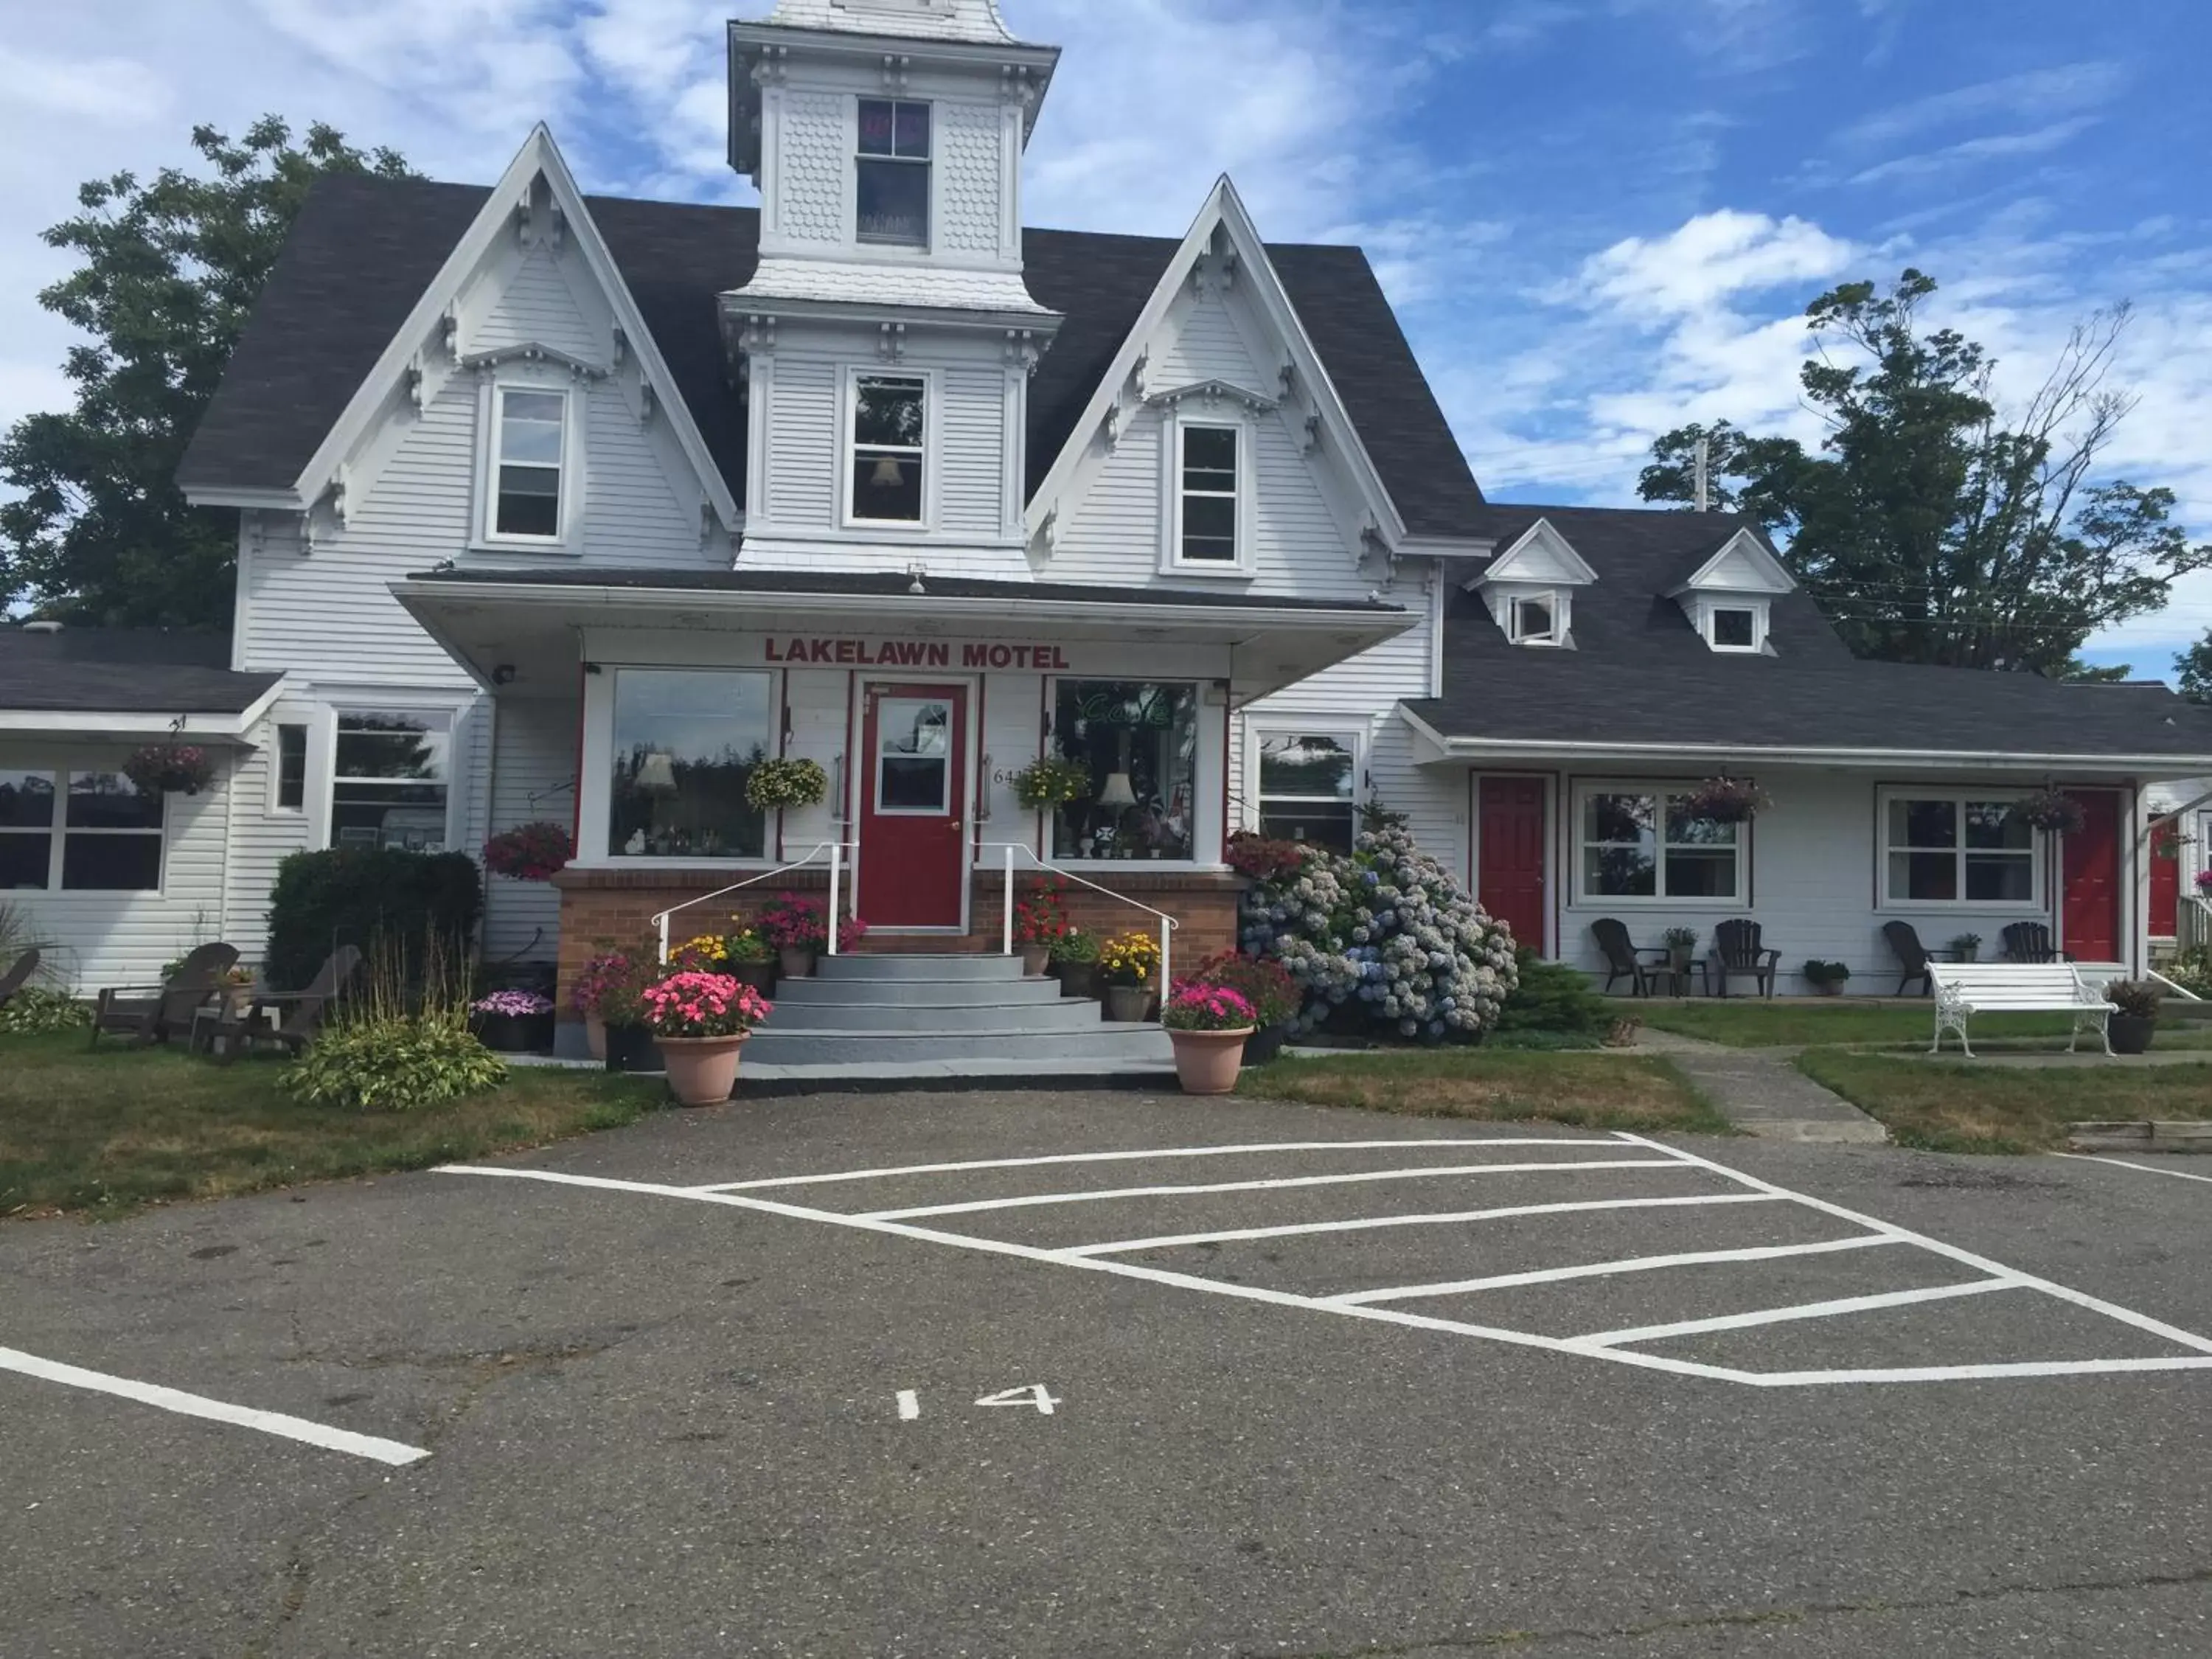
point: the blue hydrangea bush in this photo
(1382, 937)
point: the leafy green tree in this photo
(1929, 528)
(168, 271)
(2193, 669)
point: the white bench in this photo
(1965, 988)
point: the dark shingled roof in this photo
(363, 250)
(893, 583)
(124, 670)
(1640, 674)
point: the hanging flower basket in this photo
(1728, 801)
(784, 783)
(530, 851)
(2049, 809)
(170, 768)
(1050, 782)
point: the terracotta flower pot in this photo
(795, 961)
(1129, 1004)
(1035, 959)
(1078, 979)
(702, 1071)
(595, 1037)
(1206, 1062)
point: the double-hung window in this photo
(79, 831)
(1648, 843)
(1208, 471)
(1966, 847)
(891, 174)
(1309, 786)
(529, 448)
(389, 781)
(886, 480)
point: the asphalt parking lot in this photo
(1044, 1375)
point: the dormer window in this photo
(891, 172)
(1736, 628)
(1534, 620)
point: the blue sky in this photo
(1599, 218)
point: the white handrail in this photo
(2181, 991)
(1168, 923)
(834, 848)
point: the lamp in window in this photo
(656, 774)
(886, 474)
(1117, 792)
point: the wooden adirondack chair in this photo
(1912, 955)
(19, 976)
(155, 1013)
(299, 1014)
(1622, 960)
(2030, 941)
(1737, 950)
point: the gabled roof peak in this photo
(1541, 554)
(1742, 565)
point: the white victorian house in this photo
(565, 507)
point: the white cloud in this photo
(110, 91)
(1707, 260)
(1993, 147)
(2038, 93)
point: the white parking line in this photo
(1419, 1171)
(194, 1404)
(1737, 1321)
(1483, 1141)
(1634, 1264)
(1177, 1240)
(2148, 1169)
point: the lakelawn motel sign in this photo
(913, 653)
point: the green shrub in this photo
(1554, 997)
(35, 1009)
(391, 1062)
(366, 895)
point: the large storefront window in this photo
(1649, 845)
(1140, 743)
(389, 783)
(1946, 849)
(685, 742)
(97, 832)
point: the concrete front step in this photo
(825, 1046)
(945, 993)
(758, 1082)
(927, 968)
(1055, 1013)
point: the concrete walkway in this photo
(1762, 1093)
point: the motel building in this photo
(575, 507)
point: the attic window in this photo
(1736, 628)
(1534, 620)
(528, 447)
(892, 173)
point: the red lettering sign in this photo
(911, 653)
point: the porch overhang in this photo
(1434, 748)
(522, 631)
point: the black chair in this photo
(300, 1014)
(19, 976)
(1911, 955)
(1737, 950)
(155, 1013)
(2030, 941)
(1622, 960)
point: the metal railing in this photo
(2192, 923)
(834, 848)
(1168, 923)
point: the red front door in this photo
(914, 787)
(2093, 879)
(2166, 881)
(1509, 821)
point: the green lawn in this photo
(1603, 1091)
(1948, 1107)
(110, 1131)
(1750, 1022)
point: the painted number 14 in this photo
(1033, 1394)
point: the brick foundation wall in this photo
(600, 908)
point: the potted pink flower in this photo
(513, 1022)
(700, 1021)
(1207, 1024)
(798, 929)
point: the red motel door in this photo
(1511, 884)
(2166, 881)
(2093, 879)
(914, 843)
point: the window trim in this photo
(1354, 738)
(927, 163)
(849, 445)
(437, 717)
(1580, 897)
(595, 848)
(485, 534)
(58, 832)
(275, 804)
(1709, 607)
(1958, 795)
(1173, 425)
(1555, 636)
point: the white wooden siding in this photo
(973, 439)
(533, 769)
(1201, 342)
(261, 838)
(537, 308)
(803, 442)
